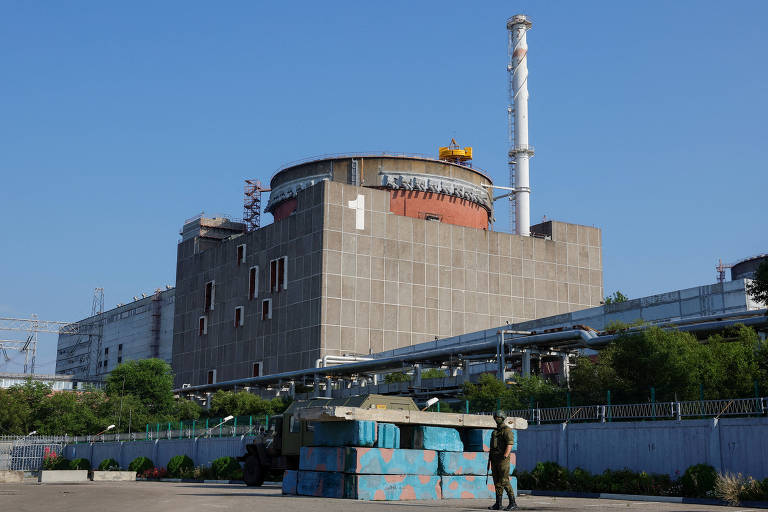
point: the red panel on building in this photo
(429, 205)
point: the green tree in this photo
(70, 413)
(150, 380)
(615, 298)
(591, 378)
(393, 377)
(433, 373)
(489, 392)
(758, 288)
(243, 403)
(15, 413)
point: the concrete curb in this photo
(639, 497)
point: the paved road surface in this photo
(184, 497)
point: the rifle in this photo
(487, 468)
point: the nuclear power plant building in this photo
(366, 253)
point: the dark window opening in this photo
(211, 376)
(273, 275)
(238, 317)
(252, 283)
(119, 359)
(209, 295)
(202, 326)
(106, 351)
(240, 254)
(256, 369)
(266, 309)
(120, 347)
(432, 216)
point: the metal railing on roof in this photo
(645, 411)
(363, 154)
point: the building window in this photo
(202, 326)
(257, 369)
(239, 316)
(211, 376)
(433, 216)
(253, 283)
(120, 347)
(210, 295)
(278, 274)
(105, 363)
(240, 254)
(266, 309)
(106, 351)
(119, 359)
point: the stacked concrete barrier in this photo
(432, 464)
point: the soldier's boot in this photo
(512, 503)
(497, 505)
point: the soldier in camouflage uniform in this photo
(502, 440)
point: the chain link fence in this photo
(25, 453)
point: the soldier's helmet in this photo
(499, 414)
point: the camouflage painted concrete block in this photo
(479, 439)
(437, 438)
(290, 481)
(393, 487)
(320, 458)
(462, 463)
(387, 436)
(390, 461)
(345, 433)
(470, 487)
(323, 484)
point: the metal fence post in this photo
(181, 429)
(601, 413)
(250, 424)
(466, 406)
(653, 402)
(157, 436)
(147, 436)
(608, 406)
(193, 428)
(678, 414)
(221, 421)
(207, 431)
(234, 428)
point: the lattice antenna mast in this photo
(252, 204)
(520, 151)
(97, 308)
(30, 326)
(720, 268)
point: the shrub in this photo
(200, 473)
(728, 487)
(549, 476)
(178, 465)
(140, 465)
(80, 464)
(109, 465)
(154, 473)
(699, 481)
(227, 468)
(52, 460)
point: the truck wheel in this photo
(253, 474)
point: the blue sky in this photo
(120, 120)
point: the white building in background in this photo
(142, 329)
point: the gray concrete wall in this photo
(736, 445)
(398, 281)
(130, 325)
(290, 339)
(202, 450)
(358, 288)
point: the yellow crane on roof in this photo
(454, 153)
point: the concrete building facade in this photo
(140, 330)
(346, 273)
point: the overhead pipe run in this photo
(572, 338)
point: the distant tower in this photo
(97, 308)
(252, 204)
(520, 151)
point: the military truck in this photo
(277, 448)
